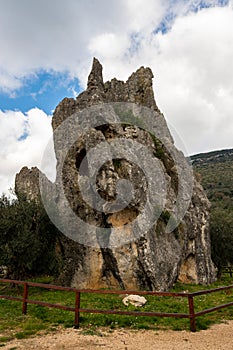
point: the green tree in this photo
(221, 230)
(27, 238)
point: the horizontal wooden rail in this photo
(8, 297)
(212, 309)
(214, 290)
(95, 291)
(56, 306)
(77, 309)
(228, 269)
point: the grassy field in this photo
(15, 325)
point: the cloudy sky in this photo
(47, 49)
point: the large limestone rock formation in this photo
(153, 257)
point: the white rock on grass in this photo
(135, 300)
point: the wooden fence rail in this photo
(191, 315)
(228, 269)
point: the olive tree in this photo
(221, 230)
(27, 238)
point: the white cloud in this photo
(53, 34)
(9, 83)
(23, 138)
(193, 65)
(62, 35)
(195, 82)
(100, 45)
(144, 16)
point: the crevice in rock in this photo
(110, 266)
(82, 159)
(144, 281)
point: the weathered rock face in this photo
(151, 257)
(26, 182)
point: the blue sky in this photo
(43, 90)
(47, 48)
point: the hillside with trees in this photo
(216, 170)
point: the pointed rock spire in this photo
(95, 78)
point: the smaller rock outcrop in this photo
(27, 183)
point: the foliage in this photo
(27, 238)
(128, 117)
(221, 228)
(215, 169)
(216, 177)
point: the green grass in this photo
(42, 319)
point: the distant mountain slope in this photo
(213, 157)
(216, 171)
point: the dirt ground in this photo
(218, 337)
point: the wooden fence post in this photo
(192, 314)
(77, 307)
(25, 296)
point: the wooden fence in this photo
(228, 269)
(191, 315)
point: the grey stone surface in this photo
(119, 249)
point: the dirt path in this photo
(218, 337)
